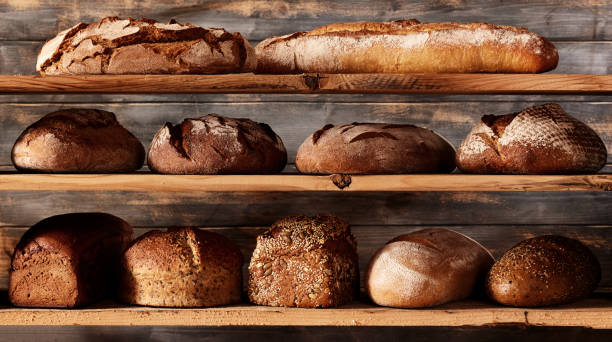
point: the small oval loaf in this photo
(541, 139)
(406, 46)
(182, 267)
(77, 140)
(545, 270)
(374, 148)
(426, 268)
(215, 144)
(144, 46)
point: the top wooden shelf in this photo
(313, 84)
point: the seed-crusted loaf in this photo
(78, 140)
(144, 46)
(539, 139)
(182, 267)
(68, 260)
(216, 144)
(305, 262)
(374, 148)
(404, 46)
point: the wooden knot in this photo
(341, 180)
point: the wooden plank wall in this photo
(581, 30)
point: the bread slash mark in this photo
(371, 135)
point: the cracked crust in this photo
(374, 148)
(144, 46)
(541, 139)
(407, 46)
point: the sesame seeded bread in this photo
(182, 267)
(405, 46)
(306, 262)
(545, 270)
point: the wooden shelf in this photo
(594, 313)
(313, 83)
(291, 182)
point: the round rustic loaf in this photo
(182, 267)
(77, 140)
(374, 148)
(216, 144)
(544, 270)
(407, 46)
(305, 262)
(538, 140)
(144, 46)
(426, 268)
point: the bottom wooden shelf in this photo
(593, 313)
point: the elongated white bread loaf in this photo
(405, 46)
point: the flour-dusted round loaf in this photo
(374, 148)
(426, 268)
(144, 46)
(405, 46)
(545, 270)
(540, 139)
(78, 140)
(306, 262)
(68, 260)
(215, 144)
(182, 267)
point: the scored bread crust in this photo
(144, 46)
(539, 139)
(405, 46)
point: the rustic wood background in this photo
(581, 30)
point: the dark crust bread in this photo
(359, 148)
(545, 270)
(215, 144)
(407, 46)
(77, 140)
(182, 267)
(144, 46)
(538, 140)
(68, 260)
(305, 262)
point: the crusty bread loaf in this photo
(68, 260)
(183, 267)
(374, 148)
(407, 46)
(144, 46)
(305, 262)
(545, 270)
(216, 144)
(426, 268)
(540, 139)
(77, 140)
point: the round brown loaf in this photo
(406, 46)
(216, 144)
(539, 139)
(426, 268)
(183, 267)
(374, 148)
(545, 270)
(77, 140)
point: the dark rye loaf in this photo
(144, 46)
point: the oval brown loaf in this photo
(426, 268)
(305, 262)
(183, 267)
(216, 144)
(77, 140)
(539, 139)
(374, 148)
(544, 270)
(144, 46)
(407, 46)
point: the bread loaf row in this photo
(538, 140)
(72, 260)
